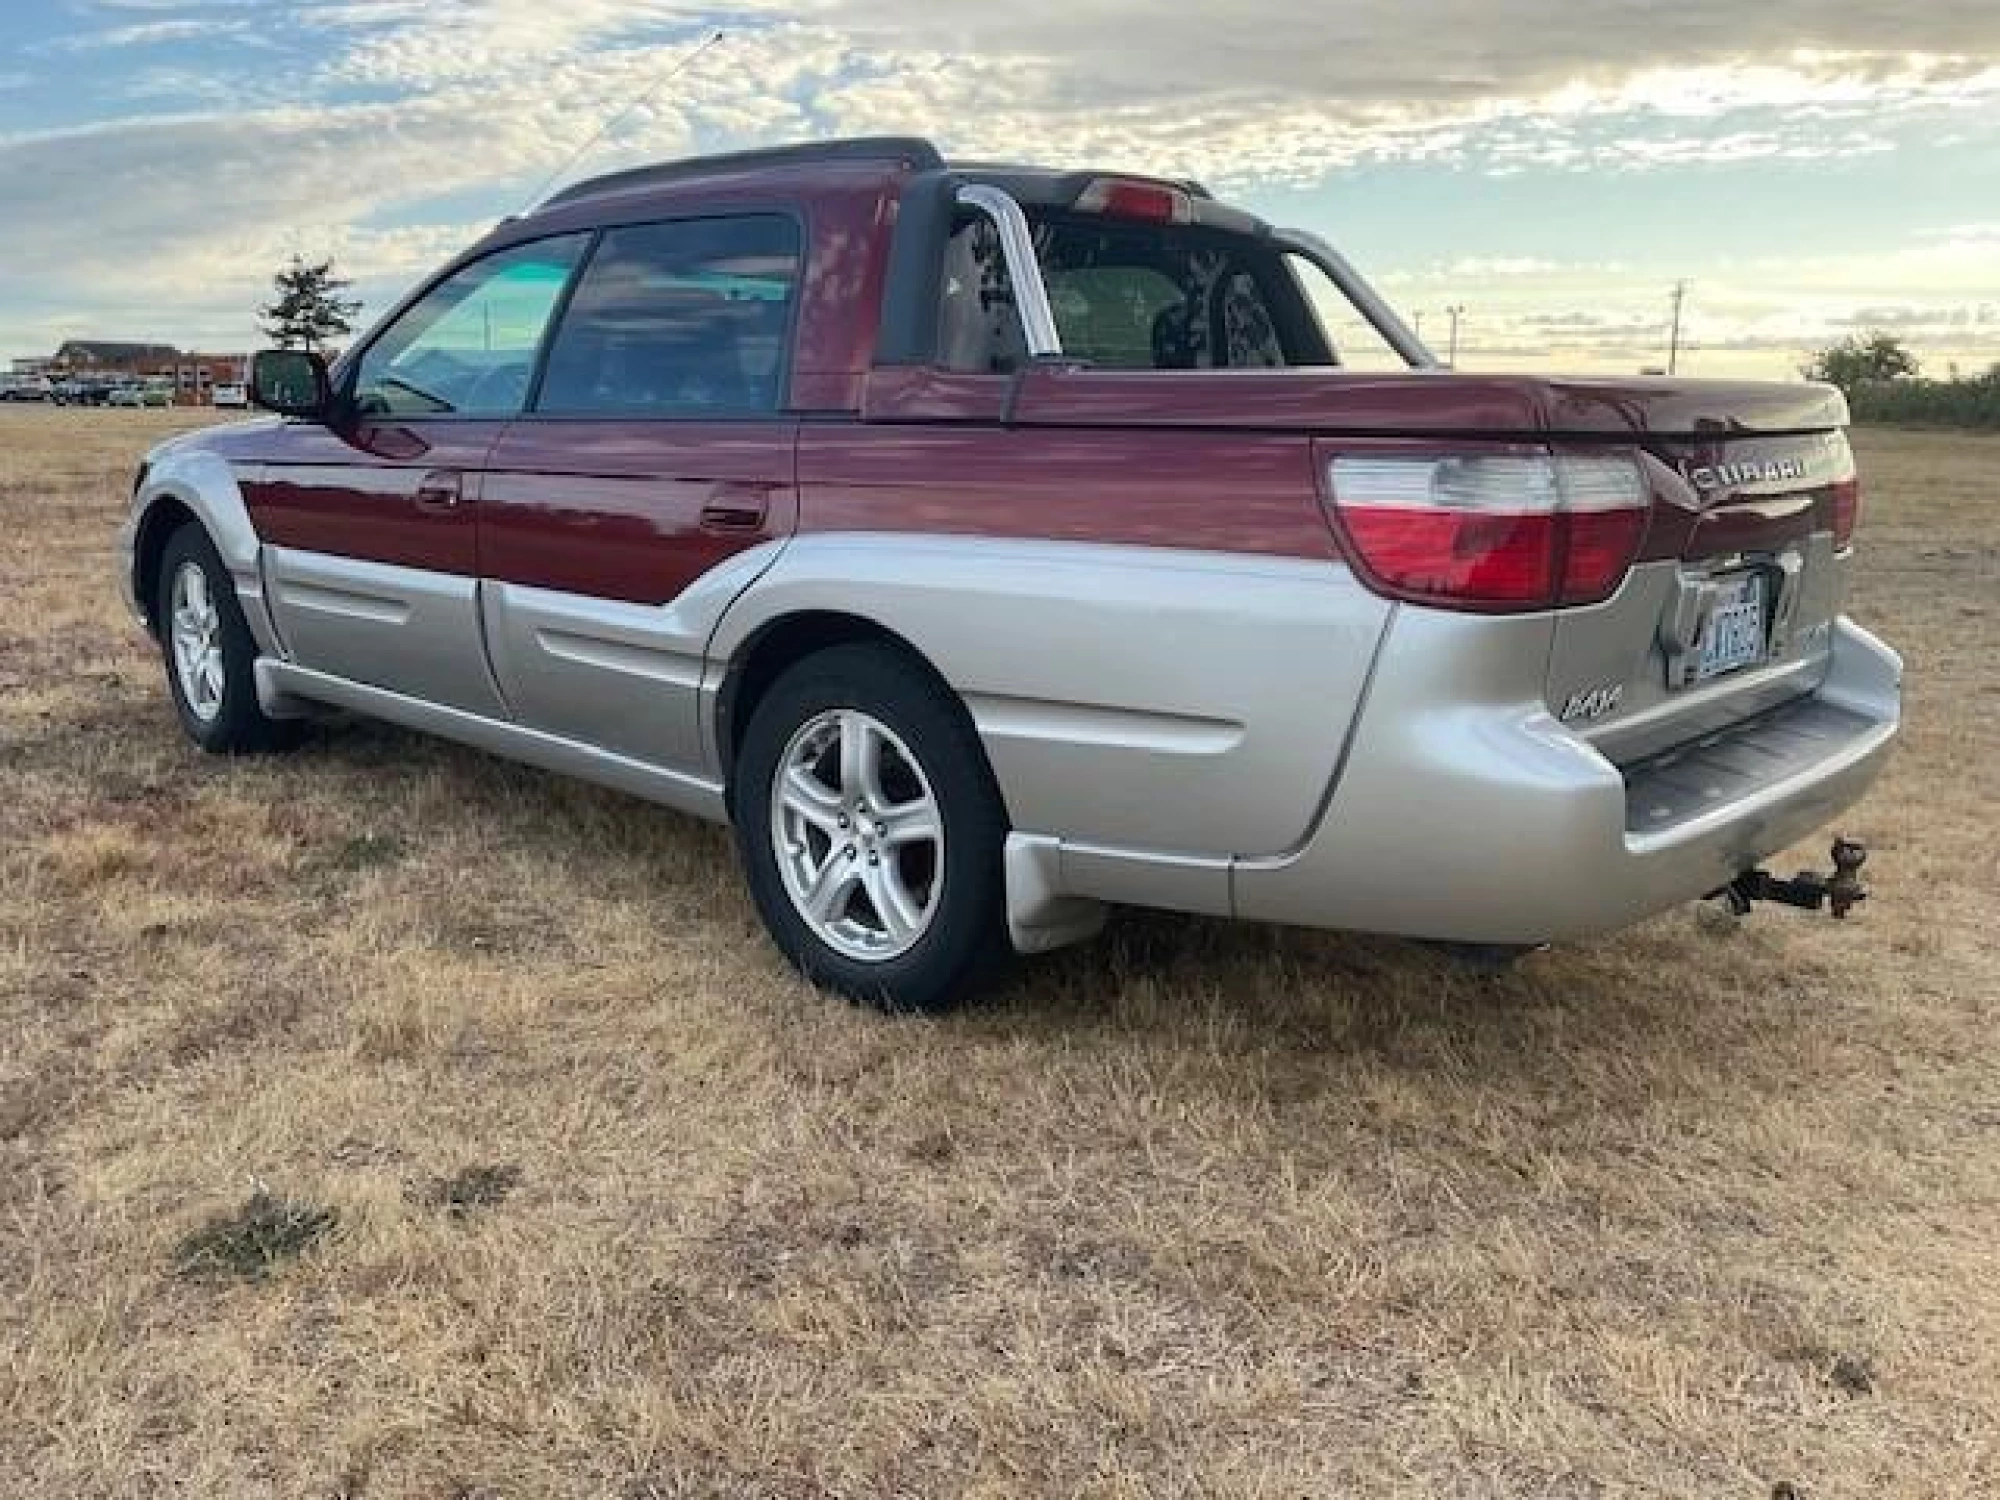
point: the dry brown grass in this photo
(623, 1210)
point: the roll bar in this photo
(1024, 272)
(1038, 320)
(1367, 301)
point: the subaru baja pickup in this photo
(991, 544)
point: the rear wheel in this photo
(209, 651)
(871, 831)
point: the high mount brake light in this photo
(1501, 532)
(1128, 198)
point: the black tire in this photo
(964, 946)
(237, 726)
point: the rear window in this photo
(1128, 297)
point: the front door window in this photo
(468, 347)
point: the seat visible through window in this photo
(1126, 297)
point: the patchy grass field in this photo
(384, 1120)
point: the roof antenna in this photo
(644, 98)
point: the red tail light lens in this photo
(1846, 511)
(1492, 532)
(1599, 552)
(1129, 198)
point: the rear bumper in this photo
(1486, 821)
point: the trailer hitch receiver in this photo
(1839, 892)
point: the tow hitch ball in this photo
(1838, 892)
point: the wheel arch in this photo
(189, 486)
(166, 515)
(782, 641)
(1040, 917)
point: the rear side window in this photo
(678, 320)
(1126, 297)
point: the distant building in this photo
(111, 357)
(194, 376)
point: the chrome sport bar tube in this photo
(1017, 247)
(1367, 302)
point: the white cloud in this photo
(144, 34)
(449, 111)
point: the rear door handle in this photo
(440, 490)
(737, 504)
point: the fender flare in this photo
(205, 486)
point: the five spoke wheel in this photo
(858, 834)
(194, 633)
(871, 829)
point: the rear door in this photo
(372, 543)
(642, 489)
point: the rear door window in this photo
(685, 319)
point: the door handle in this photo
(440, 490)
(737, 504)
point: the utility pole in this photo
(1419, 329)
(1674, 328)
(1454, 312)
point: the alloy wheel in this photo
(195, 632)
(858, 835)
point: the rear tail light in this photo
(1492, 531)
(1131, 198)
(1846, 511)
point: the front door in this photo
(369, 520)
(637, 496)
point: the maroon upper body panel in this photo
(1733, 518)
(1417, 402)
(398, 491)
(632, 510)
(1228, 492)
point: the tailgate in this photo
(1729, 610)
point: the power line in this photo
(644, 98)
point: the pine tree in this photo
(308, 310)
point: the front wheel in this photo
(210, 653)
(871, 831)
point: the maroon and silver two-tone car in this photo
(990, 544)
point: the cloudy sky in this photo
(1809, 166)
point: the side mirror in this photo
(291, 382)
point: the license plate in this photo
(1733, 634)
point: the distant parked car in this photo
(26, 388)
(125, 395)
(82, 390)
(231, 397)
(157, 393)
